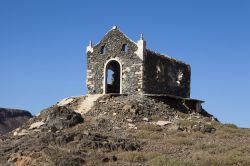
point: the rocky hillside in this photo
(11, 119)
(125, 130)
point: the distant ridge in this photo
(11, 119)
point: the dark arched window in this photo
(103, 49)
(125, 48)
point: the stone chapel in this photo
(119, 65)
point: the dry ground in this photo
(122, 130)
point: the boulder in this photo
(163, 123)
(21, 133)
(65, 101)
(62, 117)
(145, 119)
(129, 120)
(36, 125)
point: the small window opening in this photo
(110, 78)
(125, 48)
(179, 78)
(103, 50)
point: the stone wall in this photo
(165, 75)
(141, 70)
(131, 64)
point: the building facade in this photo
(119, 65)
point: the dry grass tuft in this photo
(164, 161)
(133, 157)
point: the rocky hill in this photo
(11, 119)
(125, 130)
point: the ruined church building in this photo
(118, 65)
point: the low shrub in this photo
(230, 125)
(164, 161)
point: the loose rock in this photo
(163, 123)
(36, 125)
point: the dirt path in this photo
(87, 103)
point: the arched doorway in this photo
(112, 77)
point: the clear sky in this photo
(43, 43)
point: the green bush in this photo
(230, 125)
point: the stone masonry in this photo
(119, 65)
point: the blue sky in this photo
(43, 60)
